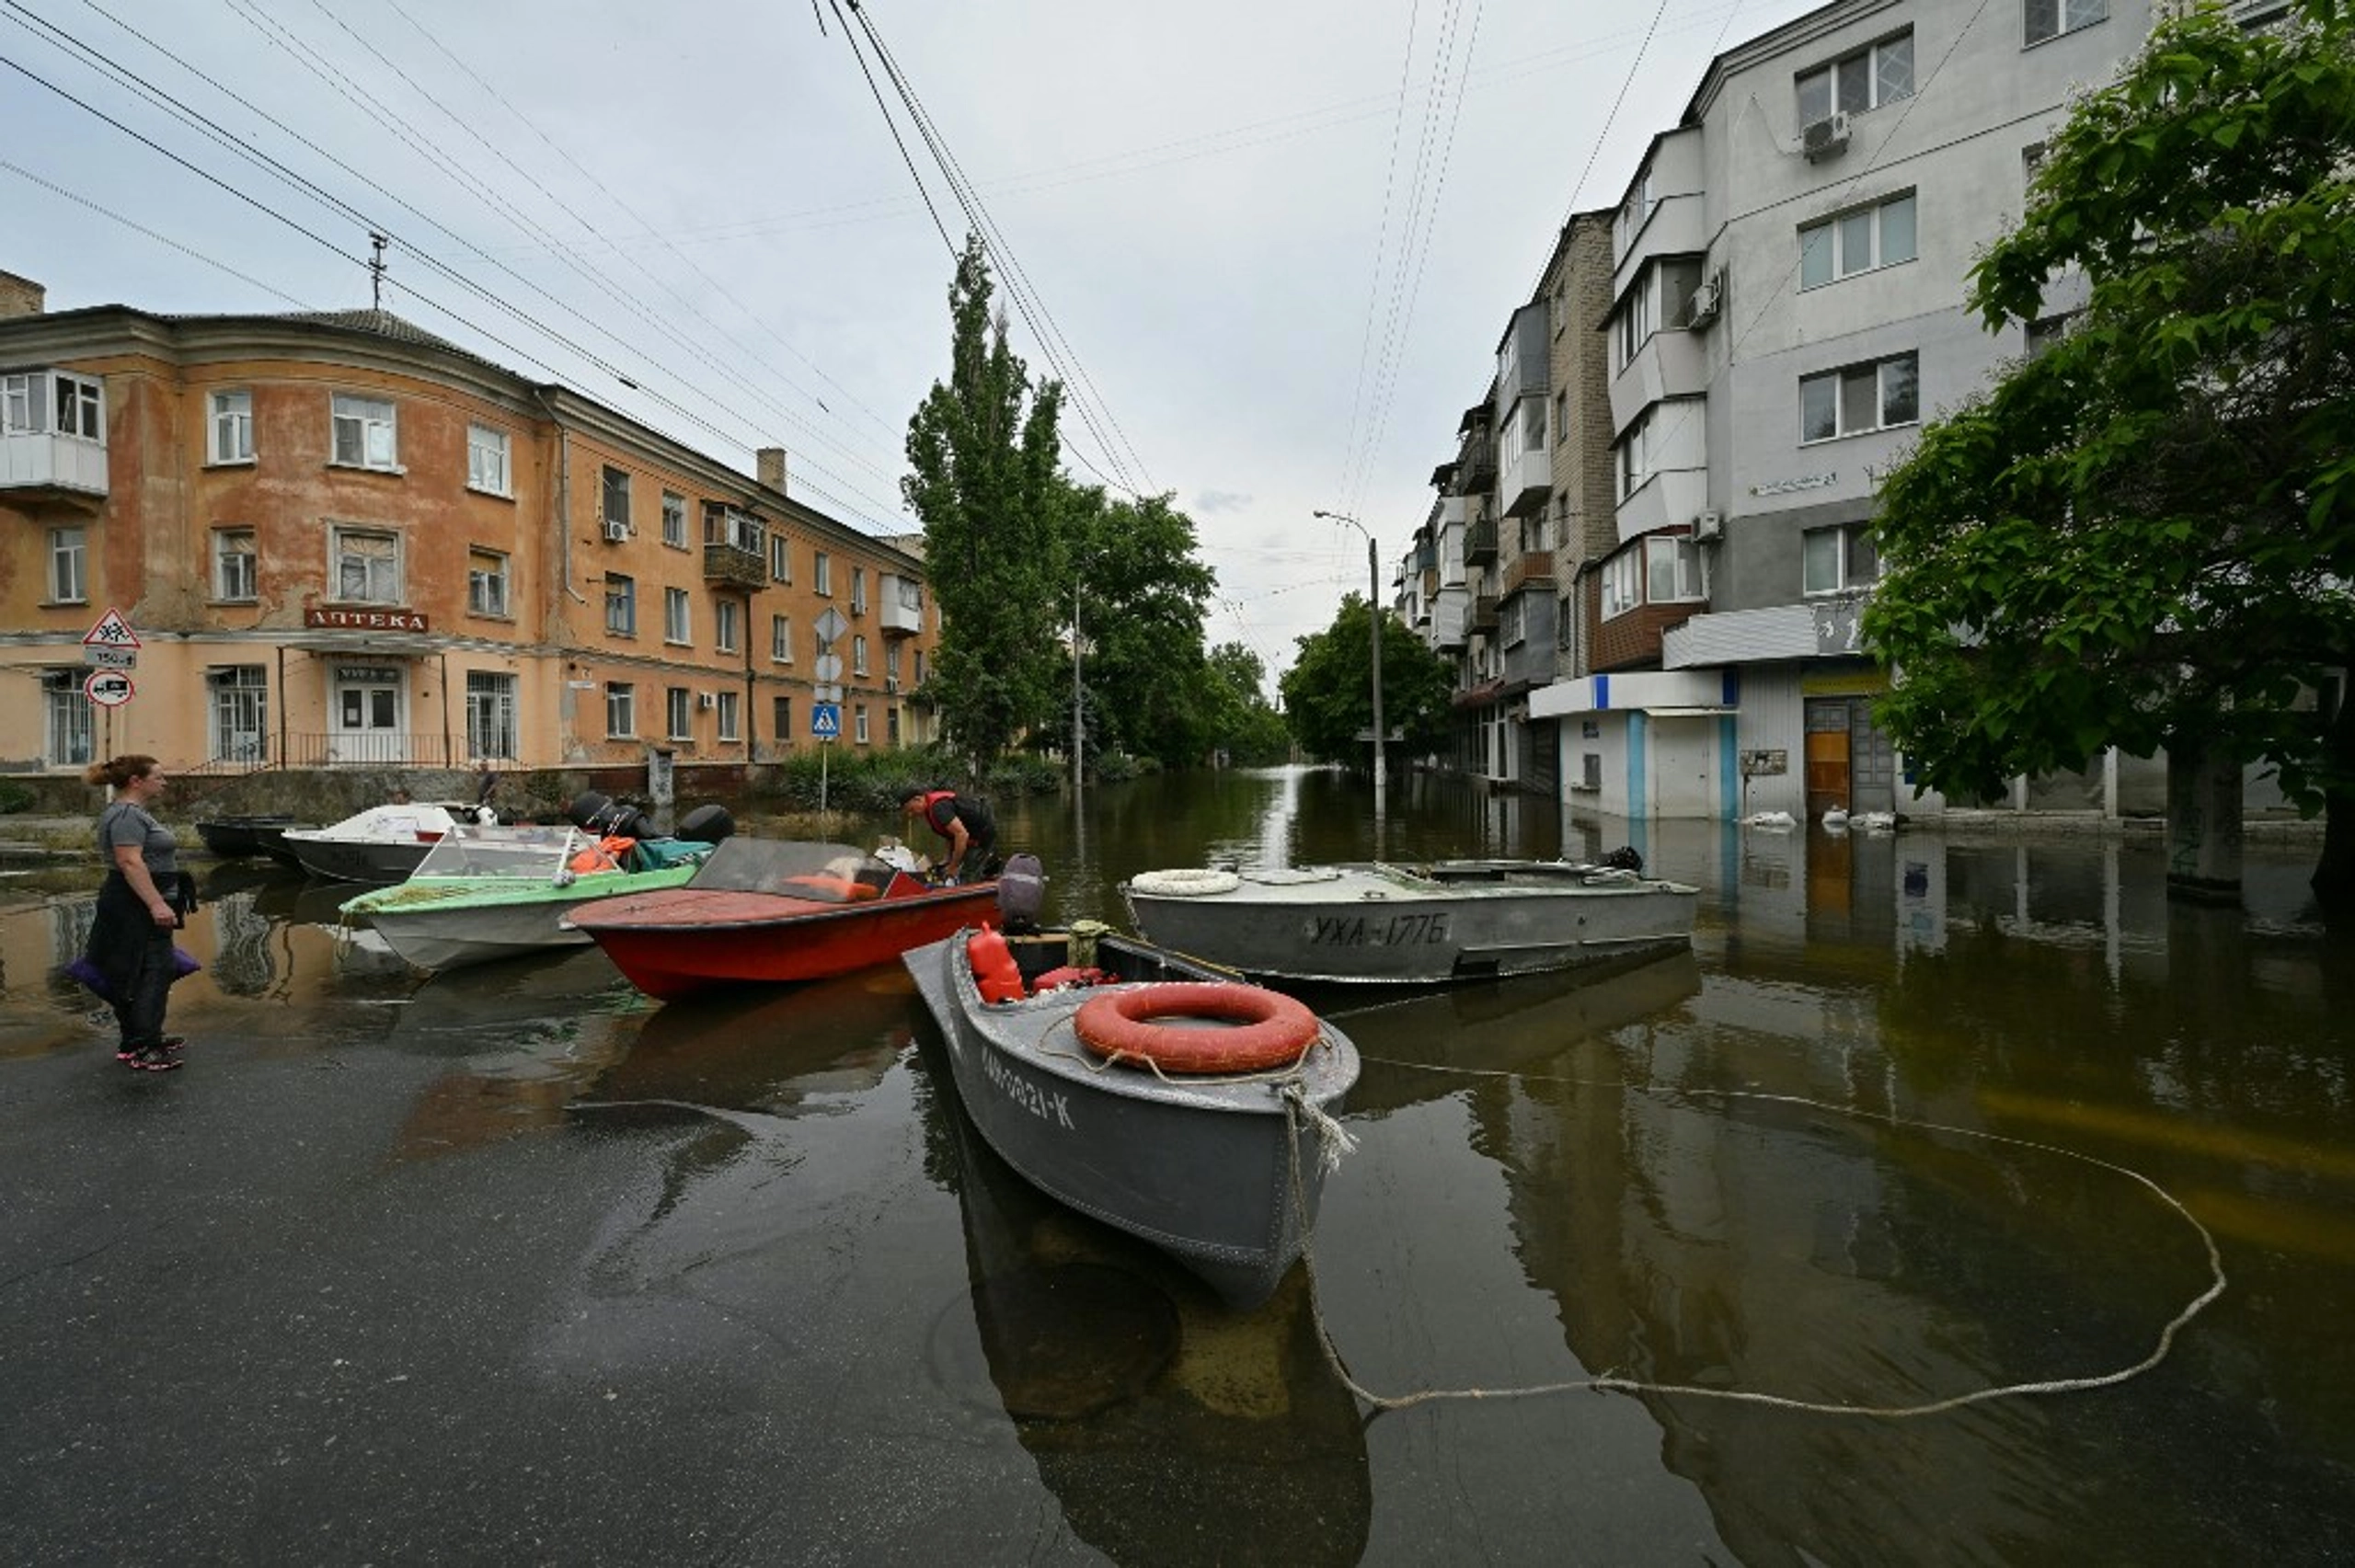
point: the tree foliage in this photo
(1143, 592)
(2143, 535)
(1328, 695)
(982, 460)
(1243, 722)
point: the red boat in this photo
(767, 910)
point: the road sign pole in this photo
(825, 752)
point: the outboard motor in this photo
(1624, 858)
(1022, 893)
(707, 824)
(595, 813)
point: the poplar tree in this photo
(982, 460)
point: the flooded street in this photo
(513, 1262)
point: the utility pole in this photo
(1374, 619)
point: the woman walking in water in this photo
(131, 939)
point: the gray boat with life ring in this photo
(1066, 1077)
(1452, 919)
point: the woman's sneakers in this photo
(154, 1058)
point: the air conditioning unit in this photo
(1703, 309)
(1708, 524)
(1825, 138)
(706, 700)
(616, 531)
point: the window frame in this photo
(678, 618)
(340, 536)
(780, 639)
(223, 590)
(1857, 565)
(493, 731)
(679, 713)
(724, 623)
(621, 605)
(821, 574)
(2061, 26)
(223, 421)
(613, 486)
(1833, 229)
(88, 404)
(68, 578)
(674, 519)
(488, 446)
(355, 409)
(728, 725)
(485, 584)
(1829, 71)
(621, 702)
(1838, 375)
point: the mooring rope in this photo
(1612, 1383)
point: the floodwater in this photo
(1957, 1201)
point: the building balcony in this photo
(1480, 543)
(1484, 613)
(1525, 484)
(736, 567)
(894, 614)
(37, 467)
(1671, 364)
(1448, 613)
(1532, 568)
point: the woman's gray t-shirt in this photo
(124, 823)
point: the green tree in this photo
(1244, 722)
(2141, 535)
(1142, 599)
(983, 478)
(1328, 695)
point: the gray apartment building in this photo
(1663, 622)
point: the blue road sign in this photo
(826, 721)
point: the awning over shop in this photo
(1479, 696)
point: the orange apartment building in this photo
(339, 539)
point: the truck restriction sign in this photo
(108, 688)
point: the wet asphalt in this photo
(263, 1311)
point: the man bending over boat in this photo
(967, 825)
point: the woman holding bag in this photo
(140, 905)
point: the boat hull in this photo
(1220, 1173)
(357, 860)
(237, 838)
(1352, 924)
(442, 926)
(686, 940)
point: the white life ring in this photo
(1185, 882)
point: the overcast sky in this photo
(1272, 246)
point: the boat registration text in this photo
(1047, 1108)
(1357, 931)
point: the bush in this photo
(14, 798)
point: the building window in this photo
(1858, 398)
(66, 742)
(1671, 570)
(69, 573)
(891, 664)
(674, 519)
(723, 524)
(235, 573)
(891, 725)
(367, 567)
(723, 624)
(238, 715)
(1636, 211)
(822, 573)
(2032, 158)
(615, 507)
(621, 710)
(486, 455)
(780, 558)
(725, 704)
(1838, 559)
(1623, 586)
(490, 713)
(912, 598)
(1638, 452)
(2051, 19)
(2047, 331)
(1881, 235)
(858, 656)
(781, 717)
(1561, 418)
(1512, 621)
(677, 627)
(858, 591)
(487, 583)
(81, 408)
(232, 428)
(19, 405)
(365, 433)
(1867, 79)
(1661, 296)
(781, 639)
(679, 712)
(621, 605)
(858, 722)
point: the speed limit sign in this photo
(108, 688)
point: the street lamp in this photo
(1374, 619)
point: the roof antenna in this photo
(377, 271)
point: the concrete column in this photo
(2203, 826)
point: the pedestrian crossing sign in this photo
(826, 721)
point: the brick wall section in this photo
(21, 296)
(1580, 284)
(1630, 641)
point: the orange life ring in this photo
(1274, 1029)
